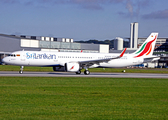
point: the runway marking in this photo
(69, 74)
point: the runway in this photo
(67, 74)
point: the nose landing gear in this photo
(21, 69)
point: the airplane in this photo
(75, 62)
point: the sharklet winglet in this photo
(123, 52)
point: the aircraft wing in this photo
(91, 62)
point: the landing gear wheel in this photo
(78, 72)
(21, 72)
(86, 72)
(21, 69)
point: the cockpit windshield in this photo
(14, 55)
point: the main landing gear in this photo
(78, 72)
(86, 72)
(21, 69)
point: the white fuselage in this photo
(39, 58)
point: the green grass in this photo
(26, 68)
(83, 98)
(108, 70)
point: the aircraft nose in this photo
(5, 60)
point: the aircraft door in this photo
(23, 59)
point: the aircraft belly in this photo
(42, 62)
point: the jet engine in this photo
(72, 67)
(68, 67)
(59, 68)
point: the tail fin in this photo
(147, 48)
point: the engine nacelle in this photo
(72, 67)
(68, 67)
(59, 69)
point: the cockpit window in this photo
(12, 55)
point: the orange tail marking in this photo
(149, 50)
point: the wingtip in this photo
(123, 52)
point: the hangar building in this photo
(11, 43)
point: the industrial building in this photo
(11, 43)
(134, 42)
(134, 35)
(161, 44)
(161, 49)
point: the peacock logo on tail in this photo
(146, 48)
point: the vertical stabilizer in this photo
(147, 48)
